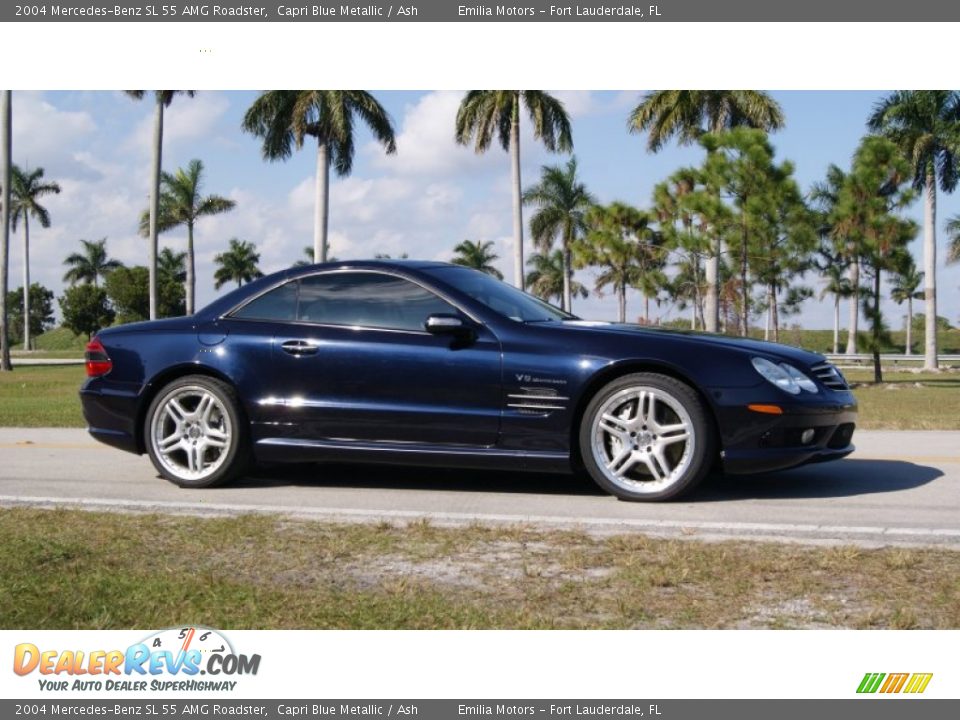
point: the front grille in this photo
(536, 400)
(830, 376)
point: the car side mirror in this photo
(446, 324)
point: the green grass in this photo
(907, 400)
(38, 396)
(58, 342)
(257, 571)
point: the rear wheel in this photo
(646, 437)
(195, 434)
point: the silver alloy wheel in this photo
(643, 439)
(191, 432)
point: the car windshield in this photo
(500, 297)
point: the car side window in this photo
(278, 304)
(364, 299)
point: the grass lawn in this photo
(907, 400)
(257, 571)
(56, 343)
(47, 397)
(41, 396)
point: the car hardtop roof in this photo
(377, 263)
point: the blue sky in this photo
(423, 200)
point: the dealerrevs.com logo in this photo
(891, 683)
(177, 659)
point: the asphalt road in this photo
(898, 488)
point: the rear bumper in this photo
(111, 416)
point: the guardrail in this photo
(862, 358)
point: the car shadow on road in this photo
(397, 477)
(844, 478)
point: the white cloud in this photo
(184, 119)
(44, 135)
(425, 143)
(577, 102)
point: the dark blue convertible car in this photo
(433, 364)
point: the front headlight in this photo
(784, 376)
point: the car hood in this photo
(747, 345)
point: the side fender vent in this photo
(536, 401)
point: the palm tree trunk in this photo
(622, 300)
(191, 271)
(768, 327)
(712, 318)
(322, 202)
(854, 306)
(775, 313)
(693, 315)
(5, 154)
(836, 323)
(930, 271)
(517, 202)
(877, 370)
(155, 202)
(909, 348)
(744, 290)
(567, 280)
(26, 282)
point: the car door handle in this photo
(299, 347)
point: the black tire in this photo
(228, 415)
(673, 400)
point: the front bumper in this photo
(755, 442)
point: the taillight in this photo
(98, 362)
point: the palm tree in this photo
(172, 265)
(284, 118)
(621, 243)
(563, 202)
(904, 289)
(91, 264)
(925, 125)
(26, 189)
(484, 114)
(841, 247)
(477, 254)
(953, 229)
(628, 247)
(546, 277)
(162, 100)
(239, 264)
(6, 146)
(181, 203)
(834, 271)
(688, 114)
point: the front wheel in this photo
(195, 434)
(647, 437)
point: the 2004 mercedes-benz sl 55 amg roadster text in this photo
(427, 363)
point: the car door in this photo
(358, 365)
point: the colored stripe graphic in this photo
(894, 683)
(918, 683)
(870, 682)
